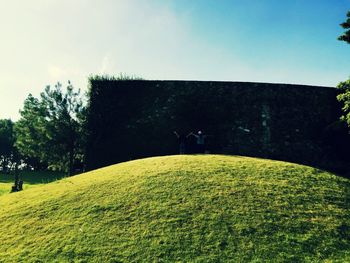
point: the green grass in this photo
(30, 179)
(181, 208)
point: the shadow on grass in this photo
(33, 177)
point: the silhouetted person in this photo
(14, 188)
(182, 142)
(20, 185)
(200, 141)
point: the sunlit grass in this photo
(181, 208)
(30, 179)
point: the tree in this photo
(7, 139)
(344, 87)
(344, 98)
(51, 127)
(346, 25)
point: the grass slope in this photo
(30, 179)
(181, 208)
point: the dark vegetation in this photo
(134, 119)
(131, 118)
(7, 140)
(346, 25)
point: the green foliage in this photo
(344, 98)
(121, 76)
(51, 127)
(29, 136)
(346, 25)
(344, 87)
(182, 208)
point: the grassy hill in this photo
(30, 179)
(181, 208)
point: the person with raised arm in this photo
(200, 141)
(182, 141)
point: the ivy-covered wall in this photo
(136, 118)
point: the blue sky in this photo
(284, 41)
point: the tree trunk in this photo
(16, 176)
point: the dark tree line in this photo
(7, 149)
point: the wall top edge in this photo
(219, 82)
